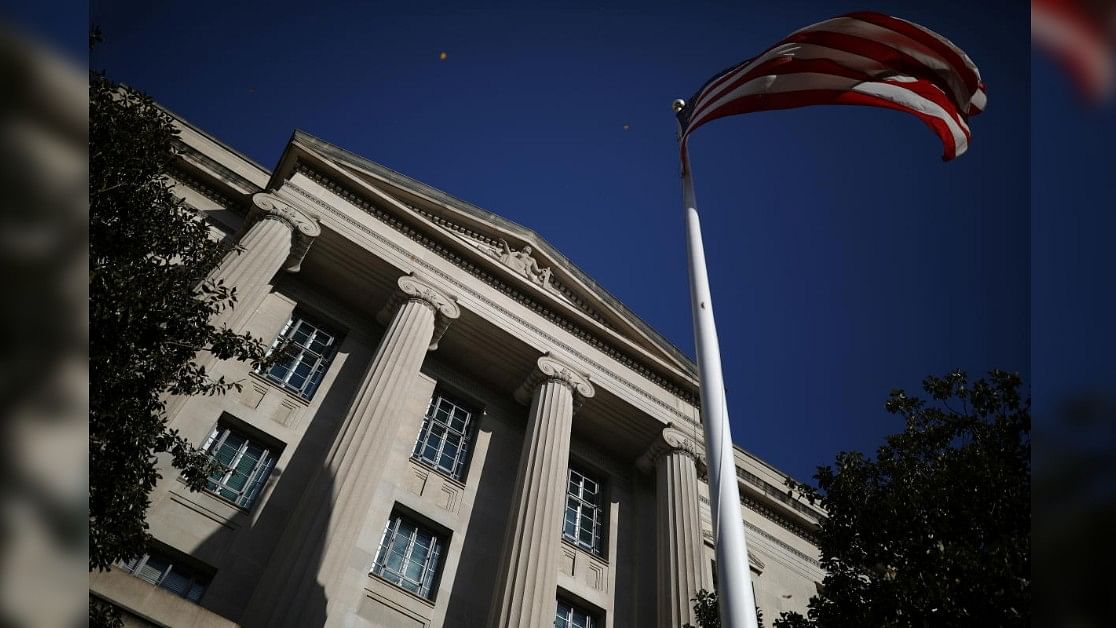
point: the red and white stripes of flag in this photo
(861, 58)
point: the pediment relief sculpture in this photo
(523, 263)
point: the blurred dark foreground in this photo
(43, 362)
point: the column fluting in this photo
(529, 572)
(681, 567)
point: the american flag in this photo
(862, 58)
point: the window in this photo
(570, 616)
(245, 464)
(582, 525)
(307, 356)
(409, 556)
(166, 573)
(443, 441)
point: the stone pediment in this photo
(520, 257)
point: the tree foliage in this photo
(708, 611)
(149, 313)
(935, 531)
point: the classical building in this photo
(466, 429)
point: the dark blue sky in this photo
(846, 258)
(1073, 192)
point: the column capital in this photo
(671, 440)
(304, 227)
(412, 288)
(549, 369)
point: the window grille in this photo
(245, 465)
(444, 440)
(409, 556)
(309, 350)
(583, 522)
(570, 616)
(165, 573)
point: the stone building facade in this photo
(466, 430)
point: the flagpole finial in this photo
(678, 105)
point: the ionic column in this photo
(681, 567)
(318, 557)
(529, 573)
(277, 237)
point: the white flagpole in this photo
(734, 581)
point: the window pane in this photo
(408, 556)
(309, 352)
(319, 344)
(413, 571)
(582, 522)
(162, 572)
(394, 562)
(242, 473)
(304, 367)
(570, 529)
(569, 616)
(177, 583)
(152, 570)
(431, 452)
(296, 381)
(450, 452)
(444, 437)
(227, 451)
(279, 370)
(459, 418)
(301, 334)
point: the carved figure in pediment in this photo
(523, 263)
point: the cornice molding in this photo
(782, 523)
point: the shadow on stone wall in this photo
(475, 585)
(252, 554)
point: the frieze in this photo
(503, 287)
(186, 178)
(189, 153)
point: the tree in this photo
(935, 531)
(151, 303)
